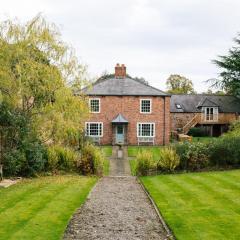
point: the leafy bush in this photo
(169, 159)
(144, 162)
(13, 162)
(62, 158)
(23, 153)
(197, 132)
(193, 156)
(225, 151)
(234, 129)
(92, 160)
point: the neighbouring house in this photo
(212, 113)
(127, 111)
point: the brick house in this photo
(126, 111)
(212, 113)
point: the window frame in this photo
(146, 99)
(87, 132)
(178, 106)
(150, 123)
(99, 102)
(214, 114)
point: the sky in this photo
(153, 38)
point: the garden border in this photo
(170, 235)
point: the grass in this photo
(133, 150)
(107, 151)
(133, 163)
(41, 208)
(106, 166)
(198, 205)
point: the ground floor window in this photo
(145, 129)
(94, 129)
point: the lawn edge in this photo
(170, 235)
(85, 200)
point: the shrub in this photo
(28, 160)
(225, 151)
(169, 159)
(62, 158)
(193, 156)
(197, 132)
(13, 162)
(234, 129)
(92, 160)
(144, 162)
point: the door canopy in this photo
(119, 119)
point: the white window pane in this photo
(94, 105)
(146, 130)
(145, 106)
(94, 129)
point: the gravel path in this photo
(117, 208)
(119, 167)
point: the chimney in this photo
(120, 71)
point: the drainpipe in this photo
(164, 121)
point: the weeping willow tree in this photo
(38, 74)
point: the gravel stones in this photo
(116, 209)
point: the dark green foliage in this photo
(225, 151)
(230, 65)
(193, 156)
(22, 152)
(197, 132)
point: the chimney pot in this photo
(120, 71)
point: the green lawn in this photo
(107, 151)
(41, 208)
(133, 150)
(199, 205)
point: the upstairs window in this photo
(146, 130)
(145, 106)
(94, 105)
(211, 113)
(94, 129)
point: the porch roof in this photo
(119, 119)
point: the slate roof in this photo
(122, 87)
(194, 102)
(119, 119)
(206, 102)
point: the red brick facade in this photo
(129, 107)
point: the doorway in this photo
(120, 134)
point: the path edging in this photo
(170, 235)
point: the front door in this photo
(120, 134)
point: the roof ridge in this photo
(167, 94)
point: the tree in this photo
(38, 75)
(177, 84)
(210, 92)
(106, 75)
(230, 66)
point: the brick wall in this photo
(129, 107)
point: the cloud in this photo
(153, 38)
